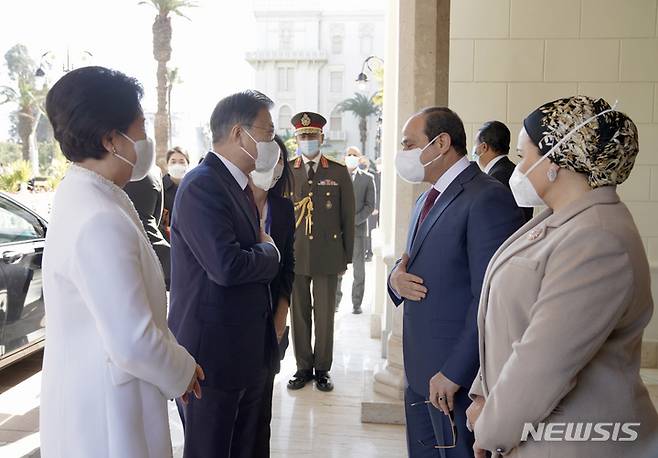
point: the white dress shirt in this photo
(492, 162)
(243, 182)
(239, 175)
(452, 173)
(316, 161)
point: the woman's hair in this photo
(284, 187)
(179, 150)
(89, 103)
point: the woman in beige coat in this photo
(566, 299)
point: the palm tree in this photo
(162, 54)
(174, 78)
(361, 107)
(28, 99)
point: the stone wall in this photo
(509, 56)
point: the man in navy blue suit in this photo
(455, 229)
(222, 265)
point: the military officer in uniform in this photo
(324, 242)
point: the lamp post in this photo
(362, 84)
(362, 78)
(67, 66)
(45, 64)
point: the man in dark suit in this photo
(492, 149)
(222, 265)
(454, 230)
(147, 197)
(364, 200)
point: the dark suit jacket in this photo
(450, 252)
(283, 233)
(502, 171)
(373, 221)
(169, 192)
(221, 309)
(365, 199)
(147, 197)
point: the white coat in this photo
(110, 362)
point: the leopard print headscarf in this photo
(604, 149)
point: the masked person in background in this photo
(223, 262)
(364, 199)
(566, 299)
(147, 197)
(491, 150)
(277, 218)
(324, 243)
(178, 164)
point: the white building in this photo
(308, 58)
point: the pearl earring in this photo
(551, 175)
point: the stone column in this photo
(415, 76)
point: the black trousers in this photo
(222, 424)
(263, 431)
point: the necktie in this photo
(250, 196)
(429, 203)
(311, 170)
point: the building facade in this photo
(308, 58)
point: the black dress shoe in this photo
(323, 381)
(357, 310)
(299, 380)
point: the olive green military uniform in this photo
(324, 241)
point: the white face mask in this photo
(524, 192)
(309, 148)
(177, 171)
(145, 158)
(268, 154)
(409, 166)
(267, 180)
(476, 156)
(352, 162)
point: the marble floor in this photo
(306, 423)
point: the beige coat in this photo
(564, 303)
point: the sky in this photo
(209, 49)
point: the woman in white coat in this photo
(110, 362)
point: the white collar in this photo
(238, 174)
(493, 162)
(316, 159)
(453, 172)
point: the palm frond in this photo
(164, 7)
(359, 105)
(7, 95)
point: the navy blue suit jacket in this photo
(221, 309)
(283, 233)
(450, 252)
